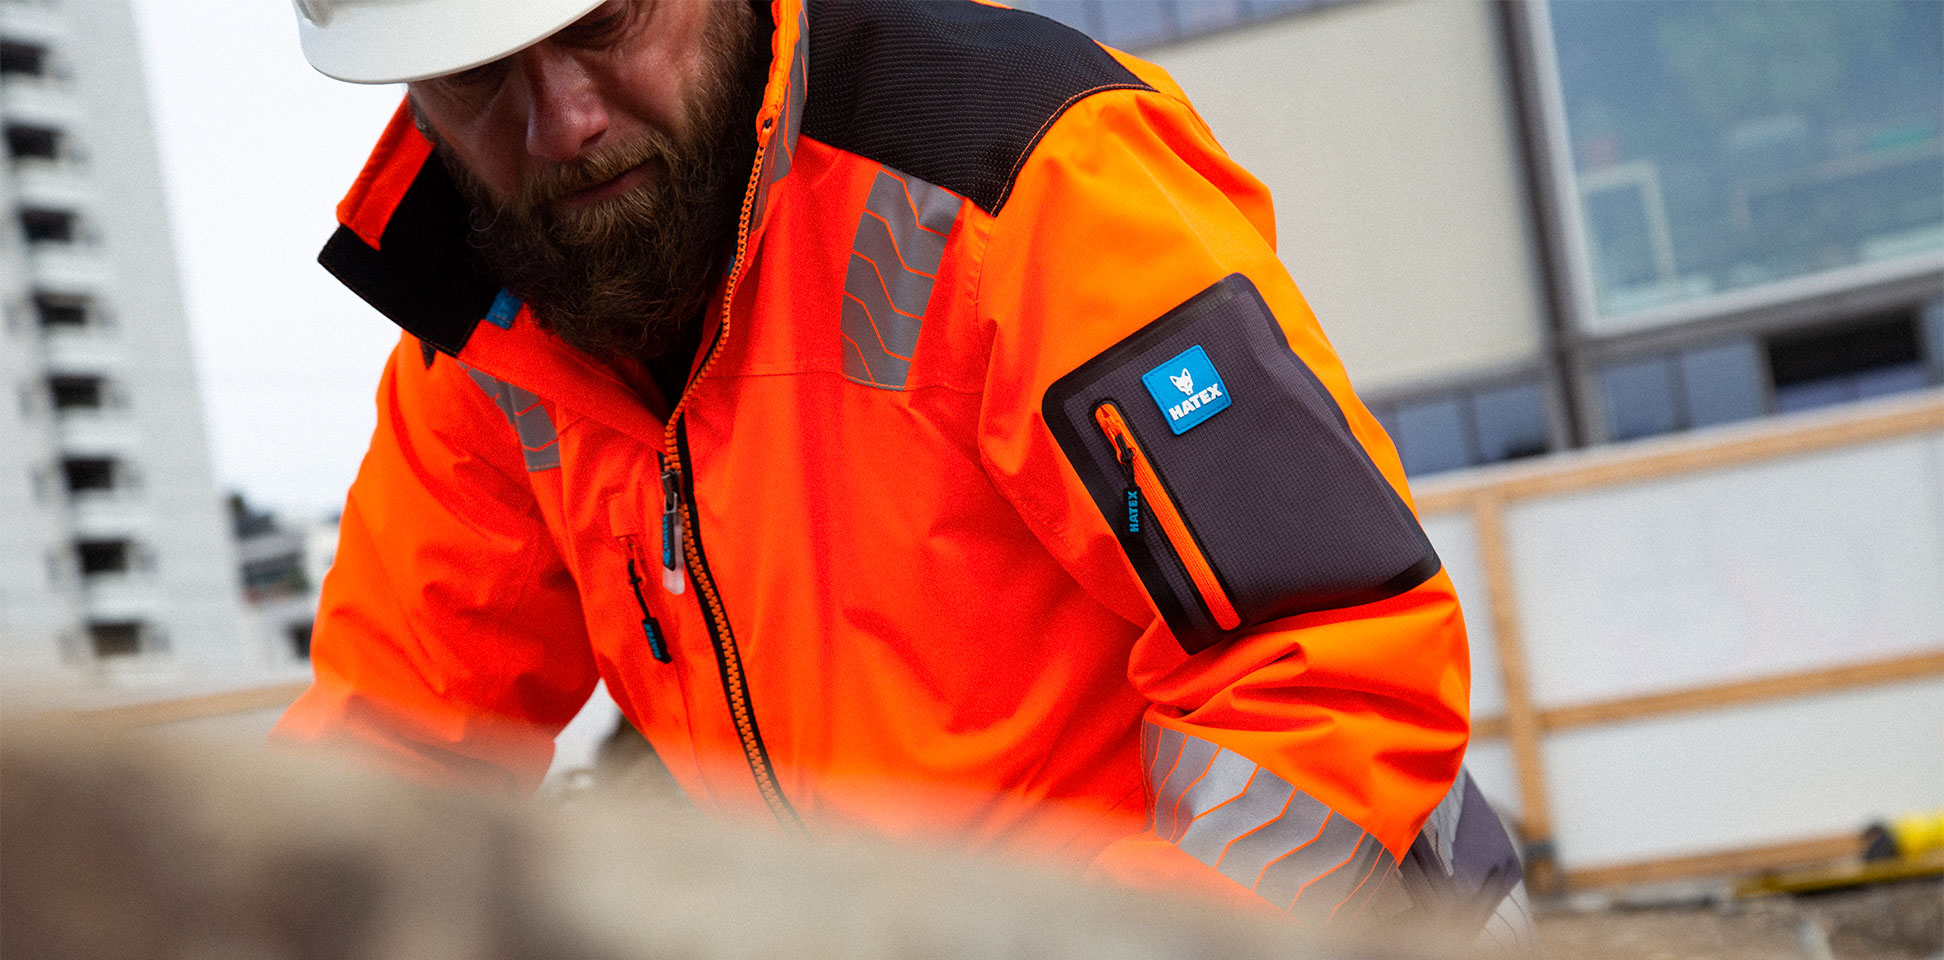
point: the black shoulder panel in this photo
(954, 93)
(423, 274)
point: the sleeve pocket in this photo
(1228, 473)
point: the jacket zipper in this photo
(1145, 490)
(679, 485)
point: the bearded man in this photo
(901, 407)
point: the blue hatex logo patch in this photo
(1187, 389)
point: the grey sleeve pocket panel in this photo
(1275, 493)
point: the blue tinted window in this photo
(1431, 437)
(1813, 394)
(1884, 381)
(1511, 423)
(1933, 319)
(1723, 144)
(1723, 383)
(1639, 398)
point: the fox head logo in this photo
(1184, 383)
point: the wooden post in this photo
(1521, 721)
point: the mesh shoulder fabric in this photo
(955, 93)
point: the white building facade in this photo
(117, 567)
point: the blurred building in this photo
(1535, 226)
(283, 561)
(115, 559)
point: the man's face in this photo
(606, 164)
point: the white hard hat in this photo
(396, 41)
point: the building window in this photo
(299, 635)
(116, 638)
(77, 392)
(1817, 368)
(1639, 398)
(99, 557)
(1465, 428)
(1776, 373)
(1722, 146)
(19, 58)
(30, 142)
(50, 226)
(63, 311)
(1701, 386)
(90, 474)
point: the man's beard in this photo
(629, 276)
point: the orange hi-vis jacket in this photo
(1014, 497)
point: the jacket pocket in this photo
(1255, 501)
(626, 531)
(1152, 513)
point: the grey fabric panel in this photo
(1322, 900)
(1441, 829)
(1150, 735)
(878, 330)
(539, 443)
(1381, 899)
(1333, 847)
(1301, 820)
(1462, 865)
(1227, 777)
(864, 358)
(1262, 801)
(896, 252)
(918, 215)
(1167, 751)
(1510, 925)
(1196, 756)
(907, 290)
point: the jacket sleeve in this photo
(1294, 756)
(449, 643)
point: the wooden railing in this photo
(1484, 495)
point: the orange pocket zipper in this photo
(1144, 486)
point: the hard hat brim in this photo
(400, 42)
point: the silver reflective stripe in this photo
(539, 443)
(895, 256)
(1260, 831)
(1510, 924)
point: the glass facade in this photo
(1467, 427)
(1719, 146)
(1780, 372)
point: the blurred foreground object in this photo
(150, 848)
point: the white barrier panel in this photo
(1687, 581)
(1745, 776)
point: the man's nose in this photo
(567, 113)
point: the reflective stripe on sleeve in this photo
(1260, 831)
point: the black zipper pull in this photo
(671, 529)
(1131, 494)
(650, 627)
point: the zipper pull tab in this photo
(672, 558)
(650, 627)
(1131, 494)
